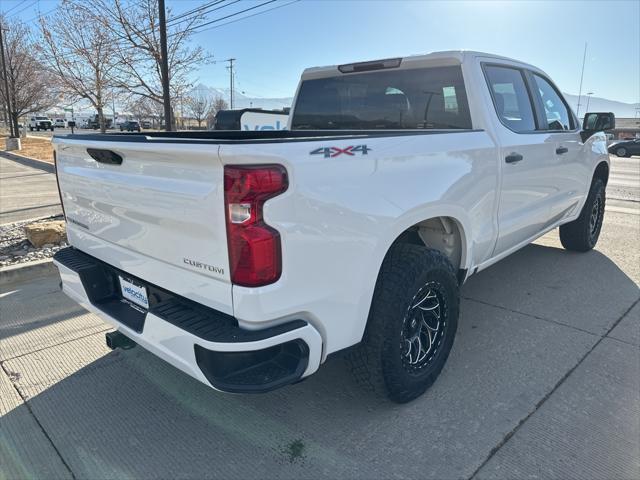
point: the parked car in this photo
(246, 258)
(40, 123)
(94, 122)
(130, 126)
(145, 124)
(625, 148)
(251, 119)
(60, 123)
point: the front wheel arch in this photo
(601, 172)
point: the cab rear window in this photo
(425, 98)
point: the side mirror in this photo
(597, 122)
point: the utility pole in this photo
(588, 98)
(164, 66)
(230, 67)
(6, 85)
(113, 108)
(584, 57)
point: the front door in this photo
(571, 169)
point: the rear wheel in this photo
(412, 324)
(621, 152)
(582, 234)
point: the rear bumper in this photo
(203, 342)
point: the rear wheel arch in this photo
(443, 233)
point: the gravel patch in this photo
(15, 248)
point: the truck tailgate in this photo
(158, 215)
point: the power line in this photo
(199, 27)
(14, 7)
(42, 14)
(246, 16)
(200, 10)
(23, 9)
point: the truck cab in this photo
(40, 123)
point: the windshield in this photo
(426, 98)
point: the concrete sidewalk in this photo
(543, 382)
(27, 190)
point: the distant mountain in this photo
(243, 101)
(598, 104)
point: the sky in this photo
(273, 48)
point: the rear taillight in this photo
(255, 255)
(55, 167)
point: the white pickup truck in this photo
(246, 258)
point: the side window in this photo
(511, 98)
(555, 110)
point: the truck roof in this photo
(448, 57)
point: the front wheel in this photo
(582, 234)
(621, 152)
(411, 326)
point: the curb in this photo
(28, 161)
(27, 271)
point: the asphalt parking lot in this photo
(543, 382)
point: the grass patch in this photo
(33, 147)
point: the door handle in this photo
(561, 150)
(105, 156)
(513, 157)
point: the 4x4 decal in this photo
(335, 151)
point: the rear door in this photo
(528, 158)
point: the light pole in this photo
(588, 98)
(231, 80)
(584, 59)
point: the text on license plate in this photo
(134, 293)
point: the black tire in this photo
(582, 234)
(622, 152)
(382, 362)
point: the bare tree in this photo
(219, 103)
(199, 105)
(80, 52)
(135, 25)
(31, 88)
(142, 107)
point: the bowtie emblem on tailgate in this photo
(336, 151)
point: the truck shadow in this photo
(525, 322)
